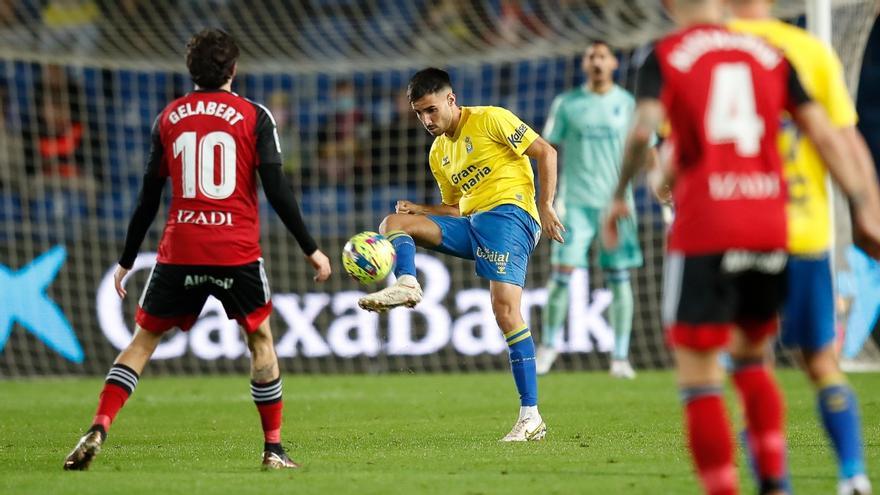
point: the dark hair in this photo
(210, 58)
(427, 81)
(600, 41)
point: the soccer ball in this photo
(368, 257)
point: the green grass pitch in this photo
(408, 434)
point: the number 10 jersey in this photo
(210, 143)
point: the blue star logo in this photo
(23, 300)
(862, 283)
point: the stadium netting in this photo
(80, 84)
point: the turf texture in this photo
(388, 434)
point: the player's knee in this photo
(145, 340)
(506, 315)
(259, 342)
(820, 365)
(395, 221)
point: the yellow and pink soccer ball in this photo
(368, 257)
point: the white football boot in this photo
(529, 427)
(620, 368)
(544, 359)
(857, 485)
(405, 292)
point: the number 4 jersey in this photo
(724, 94)
(210, 143)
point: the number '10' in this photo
(203, 156)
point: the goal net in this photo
(82, 80)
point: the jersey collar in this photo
(465, 113)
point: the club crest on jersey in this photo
(468, 145)
(445, 161)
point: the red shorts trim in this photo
(756, 330)
(158, 324)
(699, 337)
(252, 321)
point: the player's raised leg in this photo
(266, 391)
(506, 299)
(404, 231)
(120, 383)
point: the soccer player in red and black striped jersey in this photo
(723, 94)
(212, 144)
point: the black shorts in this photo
(175, 294)
(705, 296)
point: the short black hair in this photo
(599, 41)
(427, 81)
(210, 57)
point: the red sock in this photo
(118, 387)
(764, 412)
(267, 397)
(112, 399)
(711, 443)
(270, 417)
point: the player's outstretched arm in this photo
(846, 170)
(280, 194)
(856, 143)
(409, 208)
(545, 154)
(144, 213)
(636, 154)
(145, 210)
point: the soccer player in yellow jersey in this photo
(480, 158)
(808, 316)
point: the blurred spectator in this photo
(70, 25)
(61, 148)
(340, 140)
(11, 157)
(517, 25)
(453, 24)
(399, 152)
(292, 152)
(19, 21)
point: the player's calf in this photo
(763, 409)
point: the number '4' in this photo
(731, 115)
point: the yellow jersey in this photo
(821, 73)
(483, 165)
